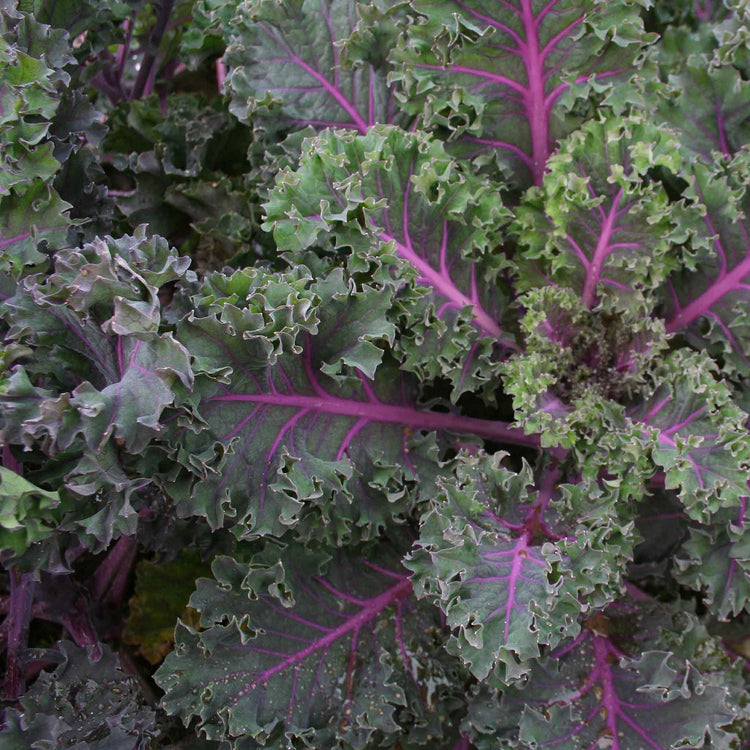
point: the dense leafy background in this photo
(375, 374)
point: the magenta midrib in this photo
(604, 650)
(609, 700)
(369, 611)
(535, 104)
(594, 271)
(342, 101)
(700, 306)
(335, 93)
(515, 572)
(379, 412)
(443, 285)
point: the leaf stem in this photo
(144, 82)
(19, 618)
(124, 49)
(110, 579)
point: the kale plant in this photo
(375, 374)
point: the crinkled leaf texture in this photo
(83, 703)
(685, 421)
(503, 76)
(698, 436)
(596, 225)
(29, 93)
(27, 512)
(411, 212)
(715, 560)
(708, 301)
(515, 560)
(38, 216)
(576, 369)
(328, 441)
(32, 57)
(648, 702)
(187, 165)
(482, 568)
(91, 397)
(475, 211)
(327, 653)
(611, 688)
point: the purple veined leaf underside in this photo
(518, 58)
(293, 51)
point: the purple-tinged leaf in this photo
(710, 109)
(102, 379)
(99, 313)
(416, 201)
(625, 682)
(504, 74)
(130, 383)
(479, 558)
(716, 561)
(709, 302)
(37, 217)
(698, 436)
(711, 563)
(289, 56)
(312, 435)
(590, 560)
(590, 694)
(338, 652)
(397, 200)
(87, 701)
(595, 226)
